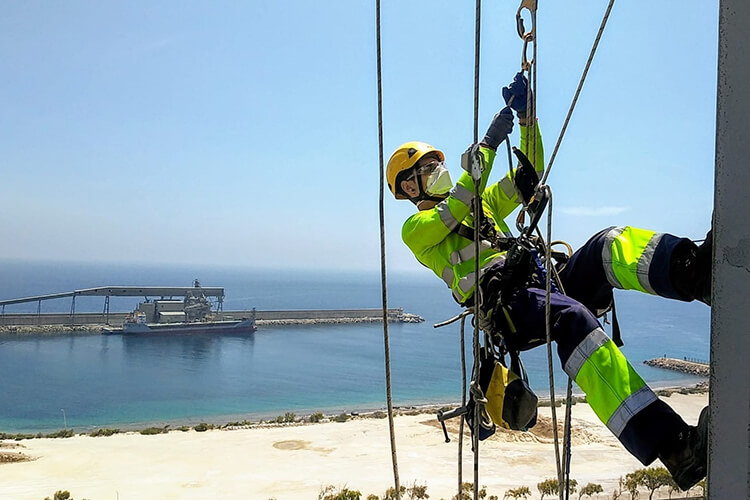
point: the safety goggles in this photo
(423, 169)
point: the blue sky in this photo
(245, 133)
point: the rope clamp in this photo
(471, 161)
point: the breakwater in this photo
(87, 323)
(690, 367)
(322, 317)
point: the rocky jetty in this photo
(401, 317)
(680, 365)
(409, 318)
(51, 330)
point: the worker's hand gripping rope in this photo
(499, 129)
(516, 94)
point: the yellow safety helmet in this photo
(405, 157)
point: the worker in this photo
(440, 234)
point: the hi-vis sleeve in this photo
(501, 198)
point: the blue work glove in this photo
(501, 126)
(517, 90)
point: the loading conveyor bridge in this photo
(120, 291)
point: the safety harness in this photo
(503, 396)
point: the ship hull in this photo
(239, 327)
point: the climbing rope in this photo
(567, 449)
(530, 66)
(578, 90)
(462, 343)
(564, 467)
(562, 478)
(383, 282)
(478, 397)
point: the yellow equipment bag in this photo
(510, 401)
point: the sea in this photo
(85, 382)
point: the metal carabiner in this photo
(529, 5)
(526, 36)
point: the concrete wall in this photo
(729, 437)
(60, 319)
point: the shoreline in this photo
(298, 461)
(328, 414)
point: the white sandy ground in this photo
(297, 461)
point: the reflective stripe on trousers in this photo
(613, 388)
(627, 255)
(615, 391)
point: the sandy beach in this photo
(297, 461)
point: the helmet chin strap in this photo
(423, 196)
(428, 198)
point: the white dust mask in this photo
(439, 181)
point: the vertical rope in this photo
(552, 271)
(477, 222)
(383, 281)
(531, 67)
(567, 451)
(534, 68)
(548, 330)
(477, 29)
(563, 465)
(463, 404)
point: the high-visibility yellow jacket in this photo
(430, 234)
(613, 388)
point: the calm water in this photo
(119, 381)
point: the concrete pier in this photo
(94, 322)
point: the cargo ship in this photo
(193, 314)
(137, 324)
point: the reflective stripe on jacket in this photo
(430, 235)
